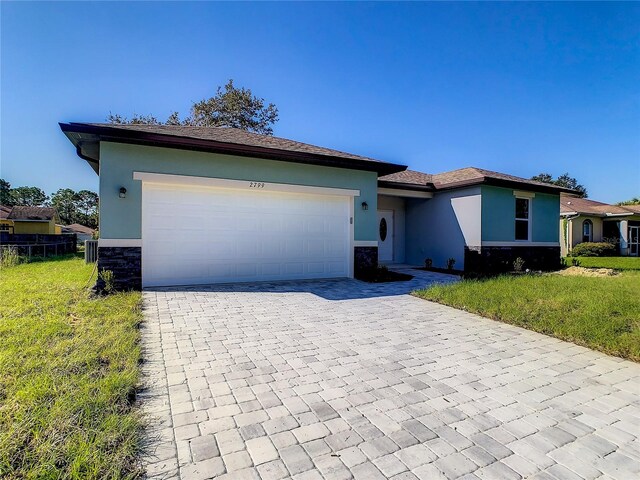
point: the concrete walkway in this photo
(342, 379)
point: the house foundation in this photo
(492, 260)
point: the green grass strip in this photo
(69, 366)
(602, 313)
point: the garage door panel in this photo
(271, 248)
(335, 249)
(316, 248)
(293, 224)
(336, 268)
(207, 235)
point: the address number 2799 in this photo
(256, 184)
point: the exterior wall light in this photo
(365, 206)
(122, 193)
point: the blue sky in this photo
(520, 88)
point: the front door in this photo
(385, 236)
(634, 241)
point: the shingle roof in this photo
(4, 211)
(223, 140)
(633, 208)
(237, 136)
(464, 177)
(479, 175)
(32, 213)
(585, 206)
(77, 228)
(408, 177)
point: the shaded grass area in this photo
(68, 372)
(601, 313)
(617, 263)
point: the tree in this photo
(76, 207)
(28, 196)
(5, 193)
(135, 120)
(631, 201)
(87, 205)
(564, 180)
(231, 107)
(65, 202)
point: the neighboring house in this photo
(190, 205)
(584, 220)
(22, 219)
(6, 225)
(82, 232)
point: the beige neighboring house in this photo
(6, 225)
(82, 232)
(29, 220)
(584, 220)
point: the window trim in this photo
(529, 219)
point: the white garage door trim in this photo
(158, 184)
(188, 180)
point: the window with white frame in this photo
(587, 231)
(523, 218)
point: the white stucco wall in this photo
(440, 228)
(397, 205)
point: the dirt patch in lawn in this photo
(586, 272)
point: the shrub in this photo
(593, 249)
(9, 257)
(428, 263)
(575, 262)
(518, 263)
(107, 277)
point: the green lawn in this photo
(602, 313)
(68, 372)
(617, 263)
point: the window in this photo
(523, 218)
(587, 231)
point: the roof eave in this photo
(93, 133)
(496, 182)
(406, 186)
(628, 214)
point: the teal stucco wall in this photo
(499, 210)
(121, 217)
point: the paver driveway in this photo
(340, 379)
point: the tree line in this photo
(73, 207)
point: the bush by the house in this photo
(593, 249)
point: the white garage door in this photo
(197, 234)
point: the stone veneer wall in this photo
(364, 258)
(126, 265)
(492, 260)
